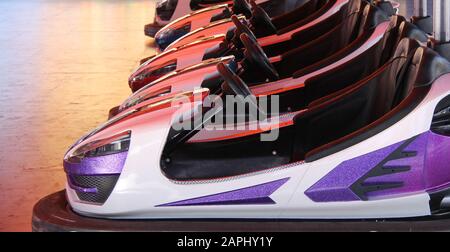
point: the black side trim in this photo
(441, 117)
(436, 202)
(444, 103)
(361, 187)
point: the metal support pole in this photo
(441, 27)
(420, 8)
(421, 16)
(442, 20)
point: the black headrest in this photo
(387, 7)
(409, 30)
(426, 66)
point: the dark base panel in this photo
(52, 214)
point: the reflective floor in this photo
(64, 63)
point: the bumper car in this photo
(362, 143)
(260, 22)
(290, 70)
(221, 45)
(169, 10)
(360, 152)
(270, 30)
(207, 16)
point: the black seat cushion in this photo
(221, 159)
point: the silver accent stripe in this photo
(226, 179)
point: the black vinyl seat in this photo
(313, 32)
(334, 45)
(285, 22)
(280, 7)
(371, 17)
(317, 88)
(364, 106)
(261, 25)
(329, 43)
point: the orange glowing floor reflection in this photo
(64, 65)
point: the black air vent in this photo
(441, 118)
(104, 185)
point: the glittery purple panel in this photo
(428, 170)
(103, 165)
(335, 186)
(258, 194)
(413, 180)
(437, 163)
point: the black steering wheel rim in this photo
(241, 29)
(242, 7)
(256, 55)
(233, 84)
(258, 14)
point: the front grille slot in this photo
(103, 183)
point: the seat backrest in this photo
(354, 107)
(280, 7)
(302, 15)
(333, 83)
(372, 16)
(425, 67)
(369, 18)
(332, 41)
(354, 6)
(303, 11)
(365, 104)
(405, 38)
(315, 31)
(405, 30)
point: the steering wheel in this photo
(242, 6)
(256, 55)
(234, 85)
(259, 15)
(241, 29)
